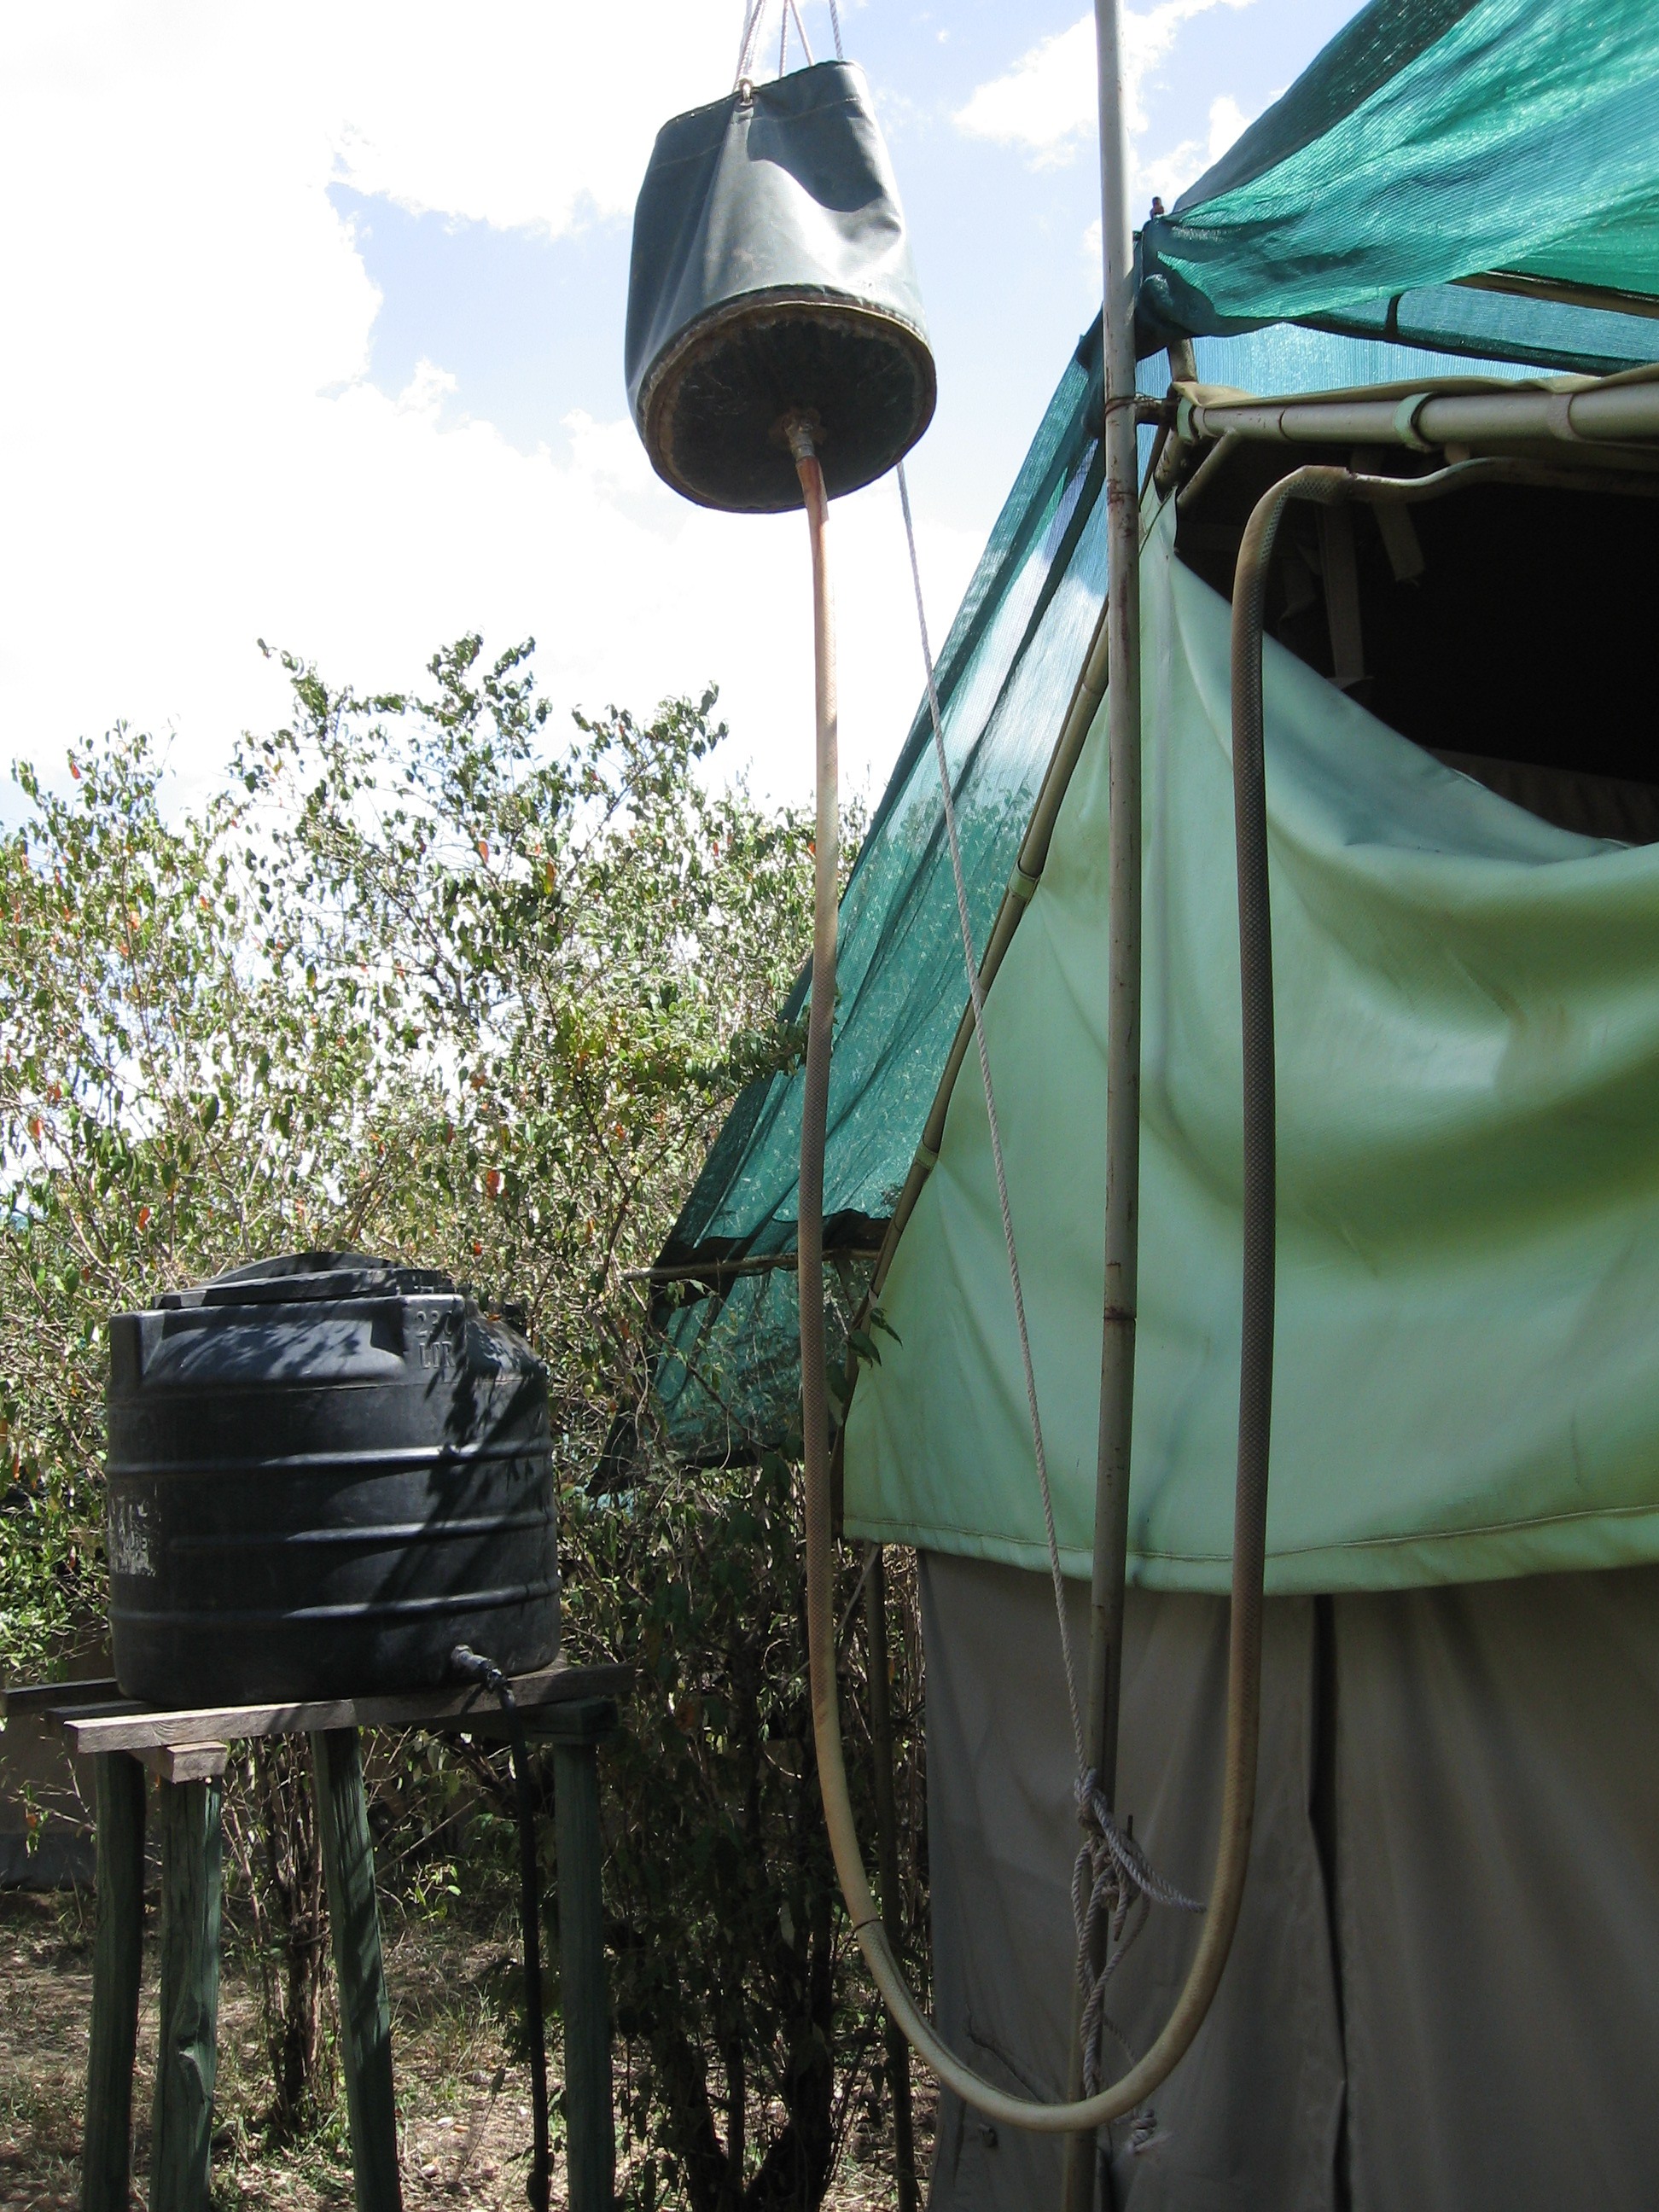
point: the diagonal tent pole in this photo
(1117, 1346)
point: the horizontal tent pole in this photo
(1618, 412)
(715, 1272)
(1601, 299)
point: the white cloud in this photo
(1047, 102)
(511, 114)
(1228, 122)
(193, 456)
(1169, 174)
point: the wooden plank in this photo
(47, 1697)
(355, 1924)
(117, 1966)
(188, 1762)
(145, 1727)
(59, 1716)
(589, 1720)
(186, 2058)
(590, 2147)
(584, 1720)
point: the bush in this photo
(420, 980)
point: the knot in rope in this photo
(1113, 1890)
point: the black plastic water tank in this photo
(771, 275)
(325, 1471)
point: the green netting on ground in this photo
(1432, 140)
(729, 1378)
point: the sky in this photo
(314, 335)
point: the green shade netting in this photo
(1468, 1225)
(1432, 140)
(729, 1378)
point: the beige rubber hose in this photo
(1244, 1666)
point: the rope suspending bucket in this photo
(772, 278)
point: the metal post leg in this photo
(117, 1962)
(881, 1744)
(365, 2011)
(576, 1731)
(186, 2059)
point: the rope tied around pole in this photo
(1113, 1881)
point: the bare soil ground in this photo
(462, 2101)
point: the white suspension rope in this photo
(789, 12)
(746, 44)
(977, 998)
(1112, 1883)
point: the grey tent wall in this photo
(1443, 1995)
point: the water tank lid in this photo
(771, 275)
(295, 1278)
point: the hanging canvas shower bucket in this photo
(771, 277)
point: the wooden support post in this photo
(575, 1732)
(188, 1762)
(892, 1918)
(186, 2057)
(365, 2012)
(117, 1965)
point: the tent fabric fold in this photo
(1439, 1998)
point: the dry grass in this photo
(463, 2102)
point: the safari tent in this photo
(1440, 248)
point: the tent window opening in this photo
(1508, 630)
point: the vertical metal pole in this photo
(354, 1921)
(1117, 1347)
(893, 1918)
(186, 2053)
(1117, 1358)
(577, 1730)
(116, 1968)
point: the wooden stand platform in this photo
(572, 1707)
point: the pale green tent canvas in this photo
(1468, 1117)
(1440, 1994)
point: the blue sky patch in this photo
(526, 325)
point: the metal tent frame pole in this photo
(1117, 1346)
(1569, 413)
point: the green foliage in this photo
(414, 980)
(422, 979)
(746, 2005)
